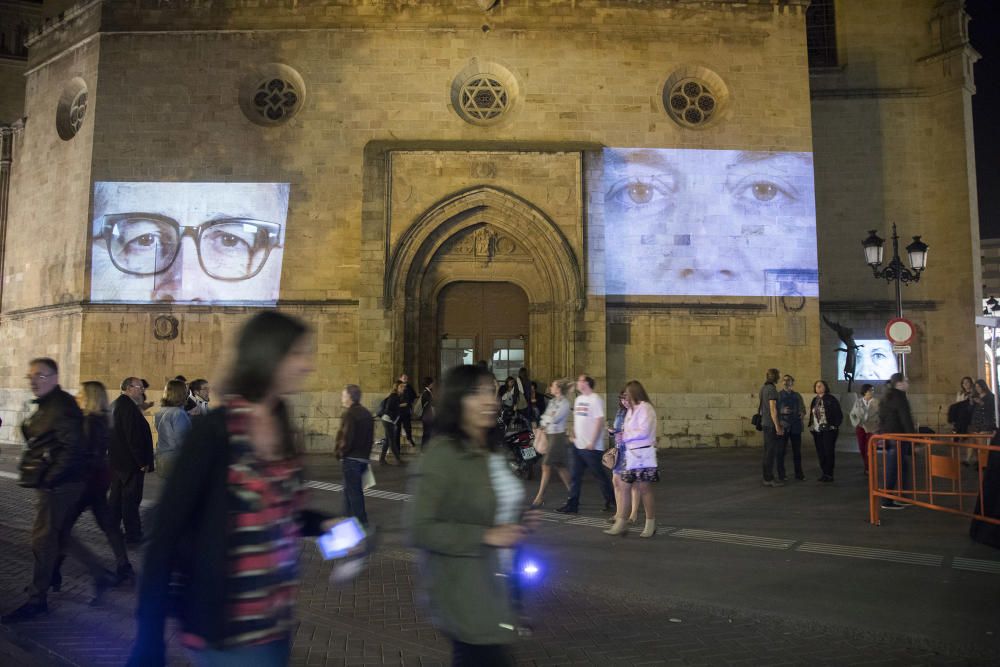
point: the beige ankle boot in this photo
(620, 528)
(650, 528)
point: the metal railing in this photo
(936, 472)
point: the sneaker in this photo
(568, 509)
(768, 482)
(777, 483)
(890, 505)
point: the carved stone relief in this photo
(482, 244)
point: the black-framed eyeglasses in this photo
(146, 244)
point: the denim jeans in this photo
(354, 497)
(774, 450)
(894, 466)
(272, 654)
(391, 439)
(583, 459)
(795, 440)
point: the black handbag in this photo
(34, 465)
(757, 421)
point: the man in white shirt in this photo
(588, 440)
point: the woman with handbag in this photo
(553, 422)
(639, 440)
(825, 417)
(617, 452)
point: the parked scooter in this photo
(519, 439)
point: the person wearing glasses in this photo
(188, 242)
(131, 457)
(791, 411)
(54, 464)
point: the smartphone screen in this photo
(341, 538)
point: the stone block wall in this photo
(891, 138)
(892, 133)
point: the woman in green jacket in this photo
(466, 521)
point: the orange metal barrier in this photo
(927, 471)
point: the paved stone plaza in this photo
(738, 575)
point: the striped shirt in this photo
(263, 543)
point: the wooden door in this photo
(483, 320)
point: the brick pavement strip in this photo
(378, 620)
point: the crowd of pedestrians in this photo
(782, 417)
(223, 541)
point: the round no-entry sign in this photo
(900, 331)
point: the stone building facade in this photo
(434, 144)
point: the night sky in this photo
(985, 34)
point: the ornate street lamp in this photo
(895, 271)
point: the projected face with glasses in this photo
(188, 242)
(709, 222)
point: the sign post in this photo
(900, 332)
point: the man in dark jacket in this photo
(406, 402)
(894, 416)
(354, 449)
(131, 457)
(53, 464)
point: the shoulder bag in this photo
(541, 443)
(33, 467)
(610, 458)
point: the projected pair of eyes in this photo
(146, 244)
(661, 191)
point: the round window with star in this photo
(484, 93)
(484, 99)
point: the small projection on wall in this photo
(708, 223)
(875, 360)
(188, 242)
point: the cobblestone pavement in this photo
(376, 620)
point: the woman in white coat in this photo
(639, 438)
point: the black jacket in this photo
(894, 414)
(391, 407)
(356, 434)
(409, 397)
(55, 431)
(834, 415)
(131, 445)
(192, 536)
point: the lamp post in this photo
(895, 271)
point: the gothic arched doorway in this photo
(485, 236)
(483, 320)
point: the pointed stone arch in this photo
(416, 274)
(503, 210)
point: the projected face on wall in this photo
(188, 242)
(709, 222)
(875, 360)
